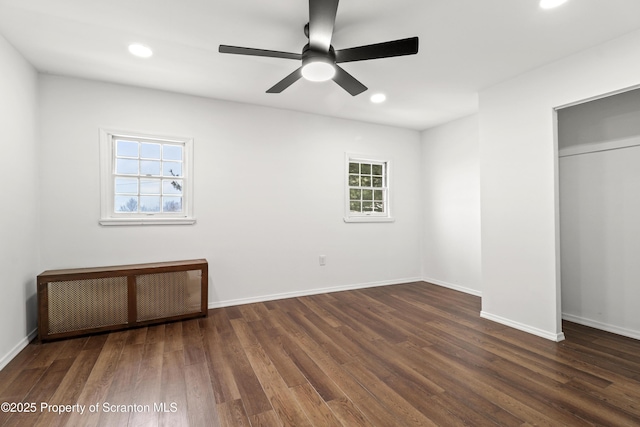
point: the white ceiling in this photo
(465, 46)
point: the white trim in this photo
(17, 348)
(317, 291)
(146, 221)
(522, 327)
(107, 217)
(599, 146)
(368, 219)
(595, 98)
(372, 217)
(603, 326)
(452, 286)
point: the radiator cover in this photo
(88, 300)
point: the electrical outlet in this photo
(323, 259)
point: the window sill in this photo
(369, 219)
(146, 221)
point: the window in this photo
(367, 195)
(145, 179)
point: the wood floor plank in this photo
(455, 384)
(122, 388)
(264, 315)
(403, 315)
(314, 375)
(320, 312)
(220, 319)
(48, 383)
(172, 406)
(331, 341)
(269, 341)
(173, 337)
(282, 399)
(621, 365)
(265, 419)
(232, 414)
(367, 316)
(409, 354)
(18, 363)
(444, 407)
(100, 379)
(47, 354)
(249, 313)
(543, 365)
(315, 407)
(201, 408)
(402, 309)
(624, 400)
(555, 396)
(96, 342)
(137, 336)
(234, 312)
(73, 347)
(222, 379)
(17, 390)
(155, 334)
(568, 353)
(366, 323)
(358, 404)
(375, 355)
(508, 396)
(69, 388)
(363, 405)
(192, 343)
(389, 398)
(148, 380)
(348, 414)
(251, 392)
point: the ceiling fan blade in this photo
(348, 82)
(286, 82)
(258, 52)
(322, 19)
(379, 50)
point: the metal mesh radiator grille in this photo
(86, 304)
(167, 294)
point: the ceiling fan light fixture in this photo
(550, 4)
(318, 71)
(320, 59)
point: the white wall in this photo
(599, 212)
(19, 214)
(451, 205)
(518, 162)
(269, 188)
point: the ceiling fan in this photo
(320, 59)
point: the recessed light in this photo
(550, 4)
(377, 98)
(140, 50)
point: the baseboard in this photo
(17, 349)
(522, 327)
(296, 294)
(602, 326)
(452, 286)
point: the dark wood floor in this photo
(402, 355)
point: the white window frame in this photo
(108, 216)
(367, 216)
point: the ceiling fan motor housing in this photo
(310, 55)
